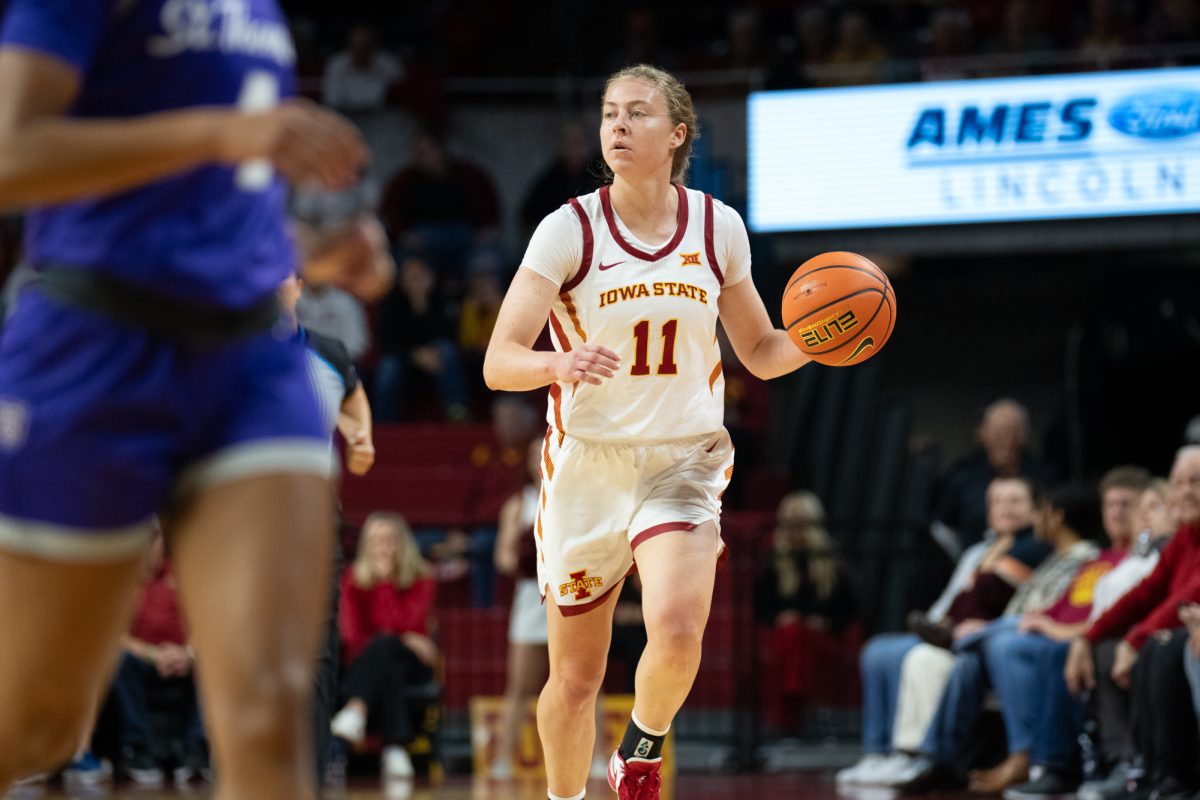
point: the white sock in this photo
(579, 796)
(647, 728)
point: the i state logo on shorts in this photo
(579, 585)
(14, 423)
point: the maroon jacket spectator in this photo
(436, 188)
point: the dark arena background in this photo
(1026, 173)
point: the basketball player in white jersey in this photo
(633, 279)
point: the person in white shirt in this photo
(358, 78)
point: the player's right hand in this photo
(589, 363)
(302, 139)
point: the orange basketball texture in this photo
(839, 309)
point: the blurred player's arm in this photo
(354, 423)
(765, 350)
(46, 157)
(511, 364)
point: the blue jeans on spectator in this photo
(393, 374)
(880, 664)
(134, 678)
(1191, 665)
(958, 711)
(1041, 717)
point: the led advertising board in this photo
(1049, 147)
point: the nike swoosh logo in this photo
(863, 345)
(610, 266)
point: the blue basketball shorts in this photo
(102, 425)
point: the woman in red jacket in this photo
(387, 594)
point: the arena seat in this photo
(439, 496)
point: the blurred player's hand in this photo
(303, 140)
(589, 363)
(360, 453)
(355, 258)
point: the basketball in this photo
(839, 309)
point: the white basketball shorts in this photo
(601, 500)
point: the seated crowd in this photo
(1077, 618)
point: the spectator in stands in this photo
(1191, 431)
(1042, 721)
(640, 45)
(742, 46)
(387, 598)
(748, 420)
(318, 215)
(573, 172)
(1115, 752)
(1021, 34)
(1147, 617)
(1014, 650)
(628, 635)
(1173, 21)
(1104, 38)
(806, 45)
(949, 43)
(157, 657)
(1063, 518)
(815, 34)
(927, 670)
(857, 58)
(499, 471)
(803, 595)
(416, 339)
(1010, 503)
(476, 320)
(528, 657)
(1003, 435)
(344, 408)
(337, 314)
(528, 660)
(441, 205)
(357, 79)
(1189, 615)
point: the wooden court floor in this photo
(806, 785)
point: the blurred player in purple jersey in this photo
(144, 369)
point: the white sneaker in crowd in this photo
(867, 765)
(902, 770)
(349, 724)
(397, 766)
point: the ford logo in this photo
(1167, 114)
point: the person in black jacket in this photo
(417, 338)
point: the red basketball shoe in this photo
(635, 778)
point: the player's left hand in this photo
(360, 453)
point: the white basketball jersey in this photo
(658, 311)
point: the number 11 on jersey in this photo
(641, 335)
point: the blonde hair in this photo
(410, 564)
(822, 560)
(679, 109)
